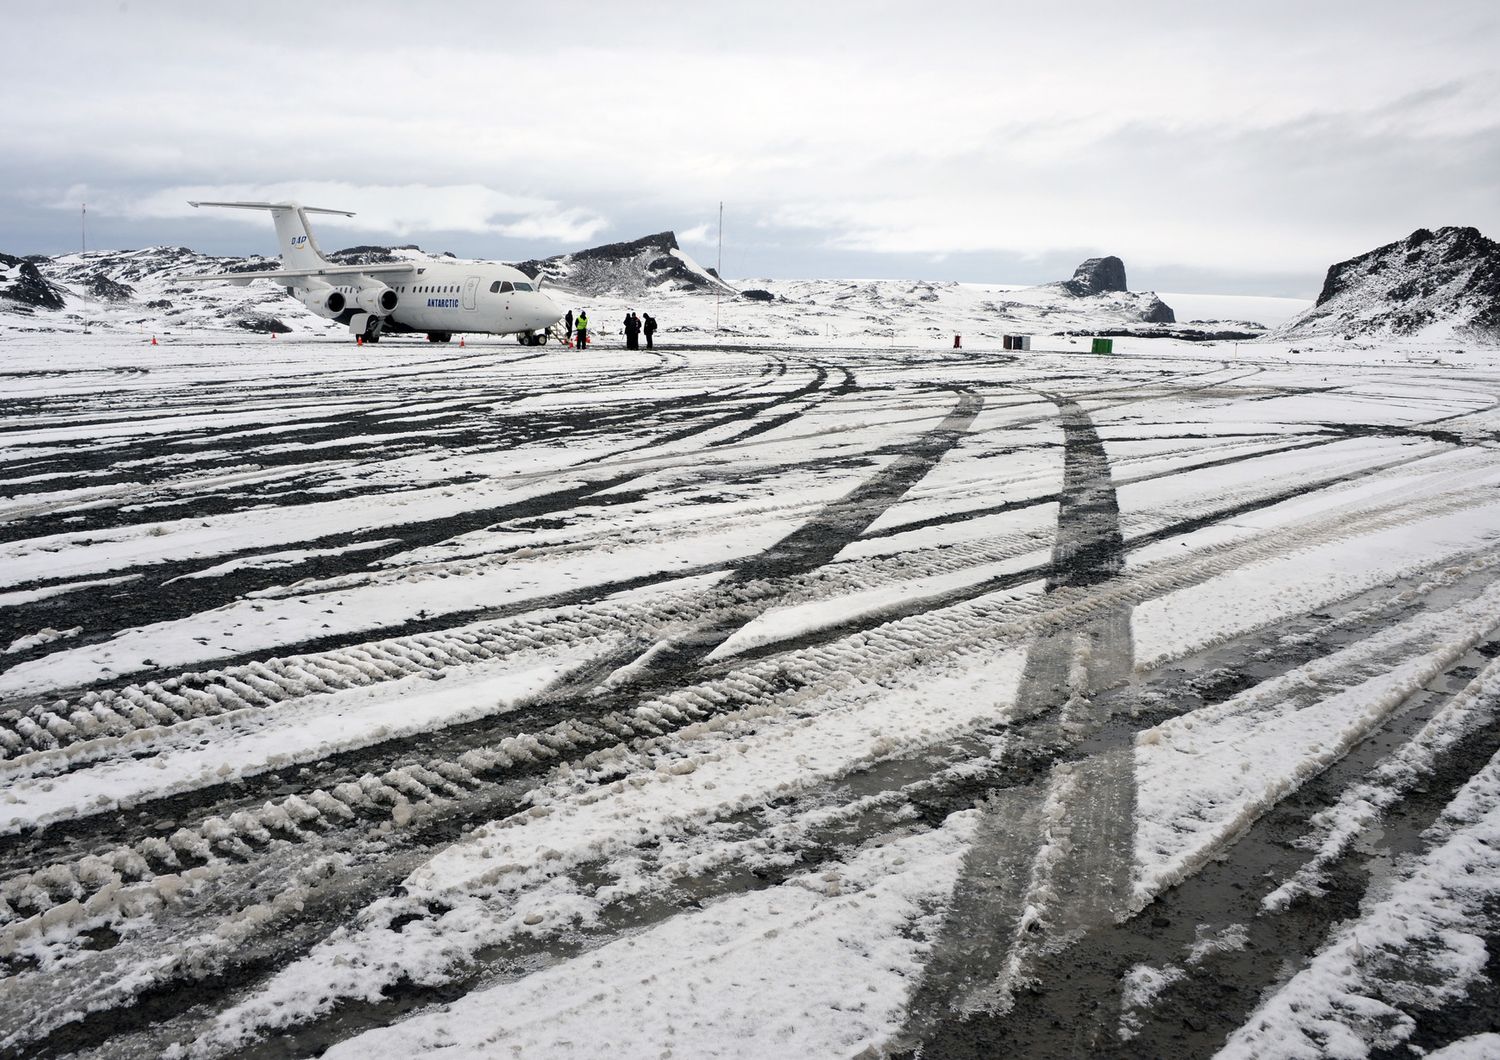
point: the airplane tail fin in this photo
(299, 250)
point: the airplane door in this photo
(471, 286)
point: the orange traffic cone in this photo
(273, 334)
(460, 342)
(153, 340)
(359, 340)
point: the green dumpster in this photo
(1104, 346)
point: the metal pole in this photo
(83, 249)
(719, 267)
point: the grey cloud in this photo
(971, 141)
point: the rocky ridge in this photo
(23, 284)
(1430, 283)
(634, 268)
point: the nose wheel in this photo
(366, 327)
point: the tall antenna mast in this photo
(719, 267)
(83, 249)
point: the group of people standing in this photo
(577, 327)
(634, 326)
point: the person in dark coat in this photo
(632, 331)
(568, 325)
(649, 327)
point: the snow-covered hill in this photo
(1431, 284)
(139, 290)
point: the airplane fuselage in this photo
(439, 298)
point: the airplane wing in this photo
(394, 270)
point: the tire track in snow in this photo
(1174, 529)
(221, 694)
(807, 856)
(1013, 854)
(756, 584)
(53, 724)
(814, 544)
(128, 607)
(1219, 947)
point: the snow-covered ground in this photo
(811, 688)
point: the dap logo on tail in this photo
(298, 241)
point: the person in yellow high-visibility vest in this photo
(582, 324)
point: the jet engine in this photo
(375, 298)
(324, 301)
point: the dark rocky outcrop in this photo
(1158, 312)
(630, 268)
(757, 295)
(1105, 278)
(1449, 278)
(1185, 334)
(1098, 275)
(366, 255)
(261, 264)
(265, 325)
(101, 286)
(23, 283)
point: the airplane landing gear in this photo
(440, 336)
(366, 326)
(534, 338)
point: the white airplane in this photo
(438, 298)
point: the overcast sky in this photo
(1219, 148)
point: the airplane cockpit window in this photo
(495, 287)
(522, 286)
(505, 286)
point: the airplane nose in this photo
(547, 312)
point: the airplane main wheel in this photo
(439, 336)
